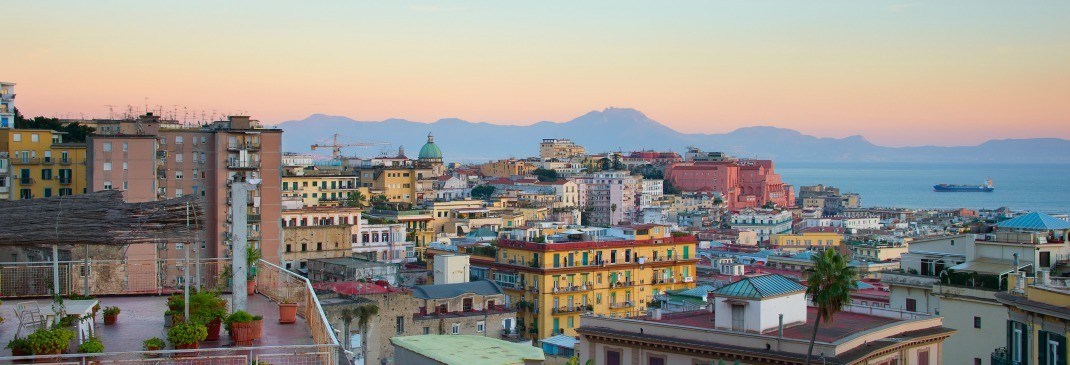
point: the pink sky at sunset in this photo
(944, 73)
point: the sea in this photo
(1024, 187)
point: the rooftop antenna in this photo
(111, 111)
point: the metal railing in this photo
(282, 355)
(284, 286)
(104, 277)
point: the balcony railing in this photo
(621, 305)
(571, 289)
(26, 161)
(26, 181)
(252, 146)
(281, 285)
(65, 181)
(572, 309)
(907, 279)
(242, 164)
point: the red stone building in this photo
(743, 183)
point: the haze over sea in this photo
(1040, 187)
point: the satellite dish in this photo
(254, 181)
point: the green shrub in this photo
(19, 343)
(154, 342)
(91, 346)
(49, 341)
(238, 317)
(187, 333)
(111, 311)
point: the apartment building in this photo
(959, 277)
(477, 308)
(609, 271)
(507, 168)
(384, 242)
(327, 189)
(764, 222)
(7, 105)
(560, 149)
(396, 183)
(762, 320)
(149, 162)
(742, 182)
(41, 165)
(611, 197)
(807, 241)
(1038, 312)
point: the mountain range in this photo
(624, 129)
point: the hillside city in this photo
(569, 257)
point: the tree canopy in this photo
(483, 192)
(75, 132)
(545, 174)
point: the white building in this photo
(290, 159)
(384, 242)
(652, 190)
(764, 222)
(456, 187)
(611, 196)
(451, 269)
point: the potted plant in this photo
(111, 314)
(258, 327)
(19, 346)
(173, 317)
(175, 302)
(91, 346)
(153, 344)
(186, 336)
(207, 308)
(240, 325)
(51, 341)
(287, 306)
(252, 256)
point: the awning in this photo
(985, 265)
(561, 341)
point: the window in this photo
(179, 175)
(923, 357)
(178, 193)
(481, 326)
(613, 357)
(34, 137)
(976, 322)
(107, 185)
(655, 360)
(288, 248)
(427, 330)
(125, 166)
(46, 174)
(178, 157)
(1052, 349)
(107, 166)
(456, 329)
(126, 185)
(126, 146)
(178, 139)
(107, 147)
(399, 321)
(48, 192)
(16, 137)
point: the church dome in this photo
(430, 150)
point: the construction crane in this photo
(336, 148)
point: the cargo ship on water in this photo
(986, 187)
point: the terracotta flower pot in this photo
(44, 358)
(287, 313)
(242, 333)
(187, 347)
(250, 287)
(213, 330)
(109, 319)
(258, 329)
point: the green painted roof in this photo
(758, 287)
(430, 149)
(469, 350)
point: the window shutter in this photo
(1042, 350)
(1062, 348)
(1025, 344)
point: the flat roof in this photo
(352, 262)
(843, 324)
(469, 350)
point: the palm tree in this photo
(829, 284)
(364, 315)
(347, 319)
(357, 199)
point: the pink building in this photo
(743, 183)
(150, 160)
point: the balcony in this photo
(620, 305)
(7, 96)
(48, 161)
(161, 155)
(26, 181)
(254, 218)
(136, 286)
(242, 164)
(906, 279)
(622, 284)
(26, 161)
(65, 181)
(571, 289)
(570, 309)
(65, 161)
(250, 146)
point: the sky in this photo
(898, 73)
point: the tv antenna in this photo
(336, 148)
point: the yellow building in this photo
(605, 275)
(1036, 328)
(41, 165)
(507, 168)
(807, 241)
(327, 190)
(398, 184)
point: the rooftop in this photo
(757, 287)
(444, 291)
(352, 262)
(843, 324)
(469, 350)
(1034, 221)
